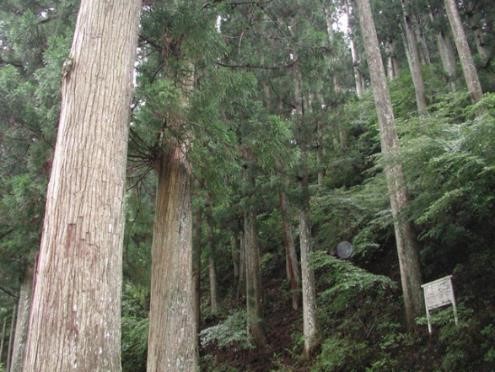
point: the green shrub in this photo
(232, 333)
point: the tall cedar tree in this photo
(172, 339)
(404, 234)
(75, 317)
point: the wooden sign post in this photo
(437, 294)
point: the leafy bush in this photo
(232, 333)
(358, 313)
(342, 354)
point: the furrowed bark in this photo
(172, 339)
(75, 317)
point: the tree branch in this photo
(254, 66)
(10, 293)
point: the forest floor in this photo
(283, 326)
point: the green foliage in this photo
(134, 328)
(229, 333)
(339, 354)
(357, 332)
(468, 345)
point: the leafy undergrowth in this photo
(360, 317)
(225, 347)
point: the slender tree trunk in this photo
(235, 257)
(461, 43)
(319, 154)
(310, 326)
(390, 67)
(310, 329)
(3, 337)
(241, 284)
(196, 271)
(291, 260)
(404, 235)
(423, 49)
(320, 151)
(253, 284)
(480, 28)
(328, 19)
(358, 77)
(172, 341)
(75, 317)
(396, 66)
(212, 275)
(11, 339)
(446, 52)
(22, 323)
(392, 63)
(414, 62)
(447, 58)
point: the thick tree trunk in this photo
(461, 43)
(172, 341)
(310, 327)
(291, 261)
(75, 316)
(253, 284)
(414, 61)
(22, 323)
(172, 338)
(405, 239)
(11, 339)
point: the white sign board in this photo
(437, 294)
